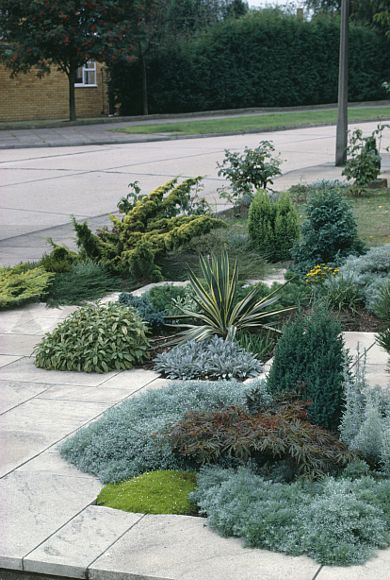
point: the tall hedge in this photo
(265, 58)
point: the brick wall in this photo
(27, 97)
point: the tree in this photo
(375, 13)
(65, 34)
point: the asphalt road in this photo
(41, 188)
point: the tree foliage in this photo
(64, 34)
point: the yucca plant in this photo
(218, 313)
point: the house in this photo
(27, 97)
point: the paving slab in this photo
(6, 359)
(24, 370)
(376, 569)
(131, 380)
(35, 505)
(182, 547)
(18, 344)
(15, 393)
(51, 463)
(72, 549)
(77, 393)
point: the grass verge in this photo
(264, 122)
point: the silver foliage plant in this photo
(214, 358)
(365, 425)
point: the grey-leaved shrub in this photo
(125, 441)
(334, 521)
(95, 339)
(214, 358)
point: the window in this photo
(86, 75)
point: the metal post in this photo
(342, 118)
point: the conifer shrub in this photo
(273, 225)
(329, 232)
(154, 492)
(95, 339)
(335, 521)
(147, 229)
(280, 434)
(310, 360)
(22, 283)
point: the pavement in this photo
(41, 187)
(50, 523)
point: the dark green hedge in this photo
(262, 59)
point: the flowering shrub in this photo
(319, 273)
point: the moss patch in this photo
(154, 492)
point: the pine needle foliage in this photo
(21, 284)
(156, 223)
(310, 359)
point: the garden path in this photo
(50, 524)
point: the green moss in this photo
(154, 492)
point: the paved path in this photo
(41, 188)
(50, 524)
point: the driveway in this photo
(41, 188)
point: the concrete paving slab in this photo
(76, 393)
(73, 548)
(6, 359)
(376, 569)
(51, 463)
(19, 446)
(133, 379)
(35, 505)
(24, 370)
(15, 393)
(18, 344)
(182, 547)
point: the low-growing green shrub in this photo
(363, 163)
(147, 229)
(155, 492)
(21, 284)
(280, 434)
(60, 259)
(310, 359)
(94, 339)
(153, 317)
(214, 358)
(333, 521)
(329, 232)
(273, 225)
(260, 345)
(85, 280)
(342, 292)
(127, 440)
(383, 339)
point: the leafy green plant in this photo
(329, 232)
(218, 312)
(261, 345)
(246, 172)
(342, 292)
(278, 435)
(85, 280)
(94, 339)
(382, 305)
(383, 339)
(214, 358)
(333, 521)
(273, 225)
(155, 492)
(310, 359)
(364, 161)
(127, 440)
(21, 284)
(156, 223)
